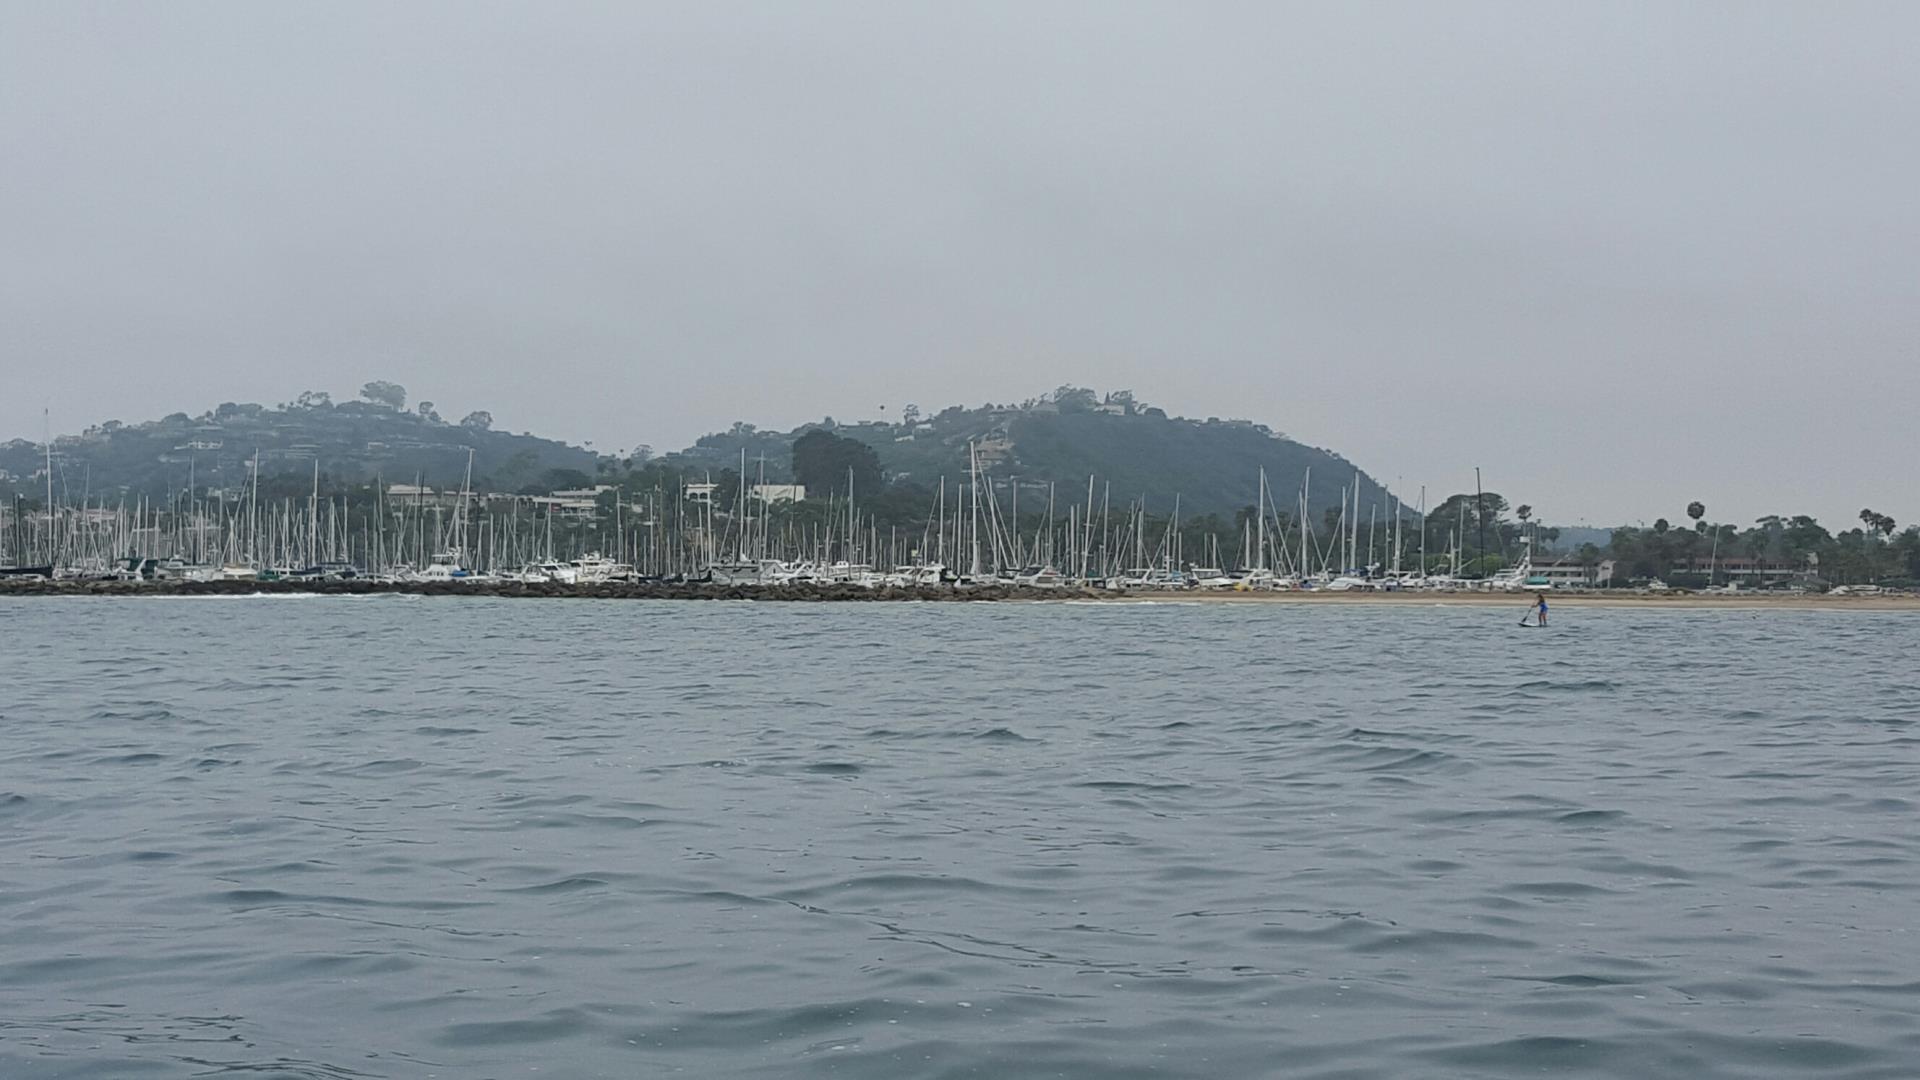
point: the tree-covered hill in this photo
(1062, 438)
(353, 442)
(1213, 465)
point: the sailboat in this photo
(1520, 575)
(450, 564)
(37, 570)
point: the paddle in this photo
(1523, 618)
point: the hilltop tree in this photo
(381, 392)
(1075, 398)
(1495, 508)
(425, 409)
(821, 461)
(314, 399)
(1524, 512)
(478, 420)
(1803, 534)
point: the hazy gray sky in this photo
(1618, 255)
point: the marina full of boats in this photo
(971, 539)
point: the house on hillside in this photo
(993, 450)
(418, 493)
(566, 504)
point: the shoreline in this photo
(990, 594)
(1595, 599)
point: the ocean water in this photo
(404, 837)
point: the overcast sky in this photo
(1618, 255)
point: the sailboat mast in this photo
(973, 466)
(1260, 513)
(313, 517)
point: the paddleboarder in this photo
(1541, 602)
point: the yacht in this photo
(735, 573)
(445, 566)
(1040, 578)
(594, 568)
(556, 573)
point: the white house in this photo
(778, 493)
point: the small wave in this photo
(1554, 888)
(1131, 785)
(564, 885)
(130, 759)
(1570, 980)
(549, 1027)
(384, 767)
(1590, 817)
(903, 885)
(1580, 686)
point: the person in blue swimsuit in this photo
(1542, 600)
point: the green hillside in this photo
(1062, 438)
(353, 442)
(1212, 465)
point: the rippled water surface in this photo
(403, 837)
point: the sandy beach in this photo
(1675, 601)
